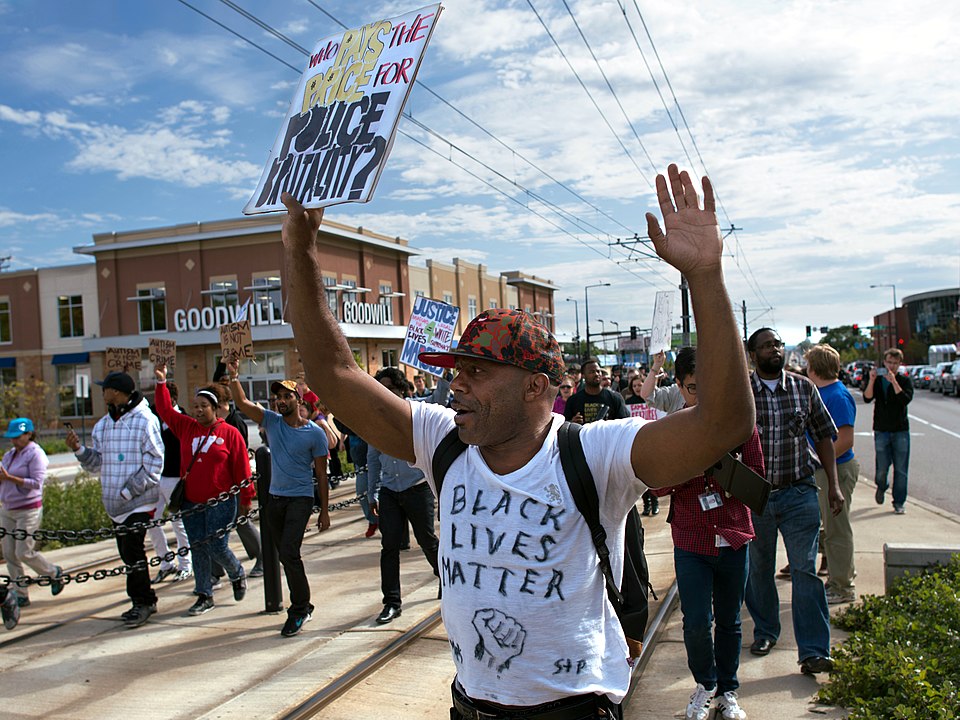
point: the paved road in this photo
(934, 447)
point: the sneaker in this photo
(216, 583)
(839, 597)
(239, 587)
(182, 574)
(139, 615)
(294, 624)
(203, 604)
(256, 571)
(23, 601)
(729, 708)
(10, 610)
(131, 613)
(879, 495)
(371, 530)
(163, 575)
(56, 585)
(699, 705)
(899, 510)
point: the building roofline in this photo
(930, 294)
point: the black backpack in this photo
(630, 600)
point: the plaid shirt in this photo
(783, 417)
(696, 530)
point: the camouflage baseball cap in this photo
(511, 337)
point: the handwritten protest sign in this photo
(338, 132)
(163, 352)
(430, 329)
(236, 340)
(661, 336)
(124, 360)
(642, 410)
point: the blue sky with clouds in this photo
(828, 129)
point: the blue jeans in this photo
(893, 447)
(358, 454)
(713, 660)
(793, 511)
(202, 525)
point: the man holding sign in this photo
(500, 601)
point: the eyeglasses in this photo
(566, 387)
(771, 345)
(691, 388)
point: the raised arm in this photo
(680, 446)
(650, 381)
(251, 409)
(367, 407)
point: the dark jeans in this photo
(131, 552)
(711, 592)
(287, 518)
(250, 537)
(396, 508)
(206, 548)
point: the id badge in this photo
(710, 501)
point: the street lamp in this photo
(603, 335)
(576, 315)
(896, 330)
(616, 345)
(586, 308)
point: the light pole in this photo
(576, 315)
(603, 335)
(896, 330)
(616, 345)
(586, 309)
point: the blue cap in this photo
(19, 426)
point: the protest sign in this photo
(163, 352)
(337, 134)
(125, 360)
(236, 340)
(430, 329)
(661, 336)
(642, 410)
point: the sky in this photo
(829, 130)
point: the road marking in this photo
(936, 427)
(912, 434)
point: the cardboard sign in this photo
(236, 340)
(661, 336)
(430, 329)
(163, 352)
(338, 132)
(124, 360)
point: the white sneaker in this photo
(699, 706)
(729, 707)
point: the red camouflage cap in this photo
(511, 337)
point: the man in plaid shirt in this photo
(789, 406)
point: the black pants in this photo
(132, 551)
(287, 518)
(396, 508)
(577, 707)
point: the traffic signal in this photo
(809, 330)
(856, 328)
(633, 332)
(899, 341)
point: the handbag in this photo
(179, 492)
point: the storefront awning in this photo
(8, 362)
(79, 358)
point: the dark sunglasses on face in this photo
(566, 387)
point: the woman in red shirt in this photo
(213, 459)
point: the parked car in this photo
(936, 382)
(924, 376)
(859, 372)
(950, 380)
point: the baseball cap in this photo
(19, 426)
(290, 385)
(511, 337)
(117, 381)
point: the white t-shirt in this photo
(524, 602)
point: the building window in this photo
(222, 292)
(6, 334)
(267, 294)
(385, 289)
(329, 282)
(388, 358)
(153, 308)
(472, 307)
(70, 404)
(70, 308)
(448, 298)
(493, 303)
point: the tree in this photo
(844, 339)
(30, 398)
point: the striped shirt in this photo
(784, 416)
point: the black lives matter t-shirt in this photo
(592, 406)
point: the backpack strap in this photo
(584, 490)
(449, 449)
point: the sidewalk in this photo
(772, 686)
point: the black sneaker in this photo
(294, 624)
(56, 586)
(139, 615)
(878, 496)
(129, 614)
(203, 605)
(10, 610)
(239, 587)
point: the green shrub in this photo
(902, 659)
(73, 506)
(53, 446)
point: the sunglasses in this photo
(566, 387)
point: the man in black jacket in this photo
(891, 429)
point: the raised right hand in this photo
(300, 226)
(160, 372)
(658, 360)
(73, 442)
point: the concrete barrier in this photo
(899, 558)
